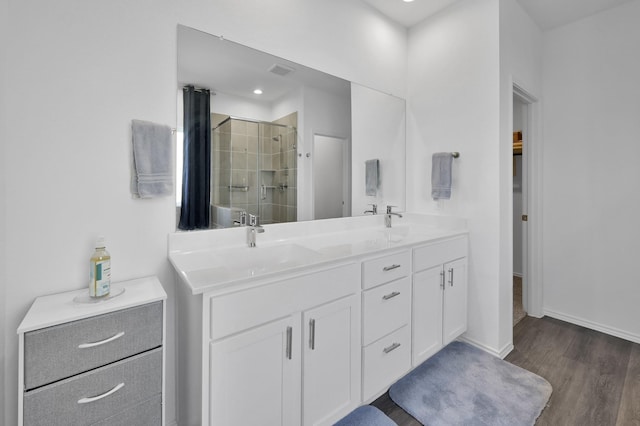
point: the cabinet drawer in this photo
(385, 308)
(239, 311)
(136, 379)
(384, 269)
(55, 353)
(385, 361)
(438, 253)
(147, 413)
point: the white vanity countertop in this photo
(219, 260)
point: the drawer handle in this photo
(391, 348)
(104, 395)
(102, 342)
(391, 295)
(390, 268)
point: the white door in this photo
(331, 372)
(427, 314)
(255, 376)
(455, 300)
(329, 182)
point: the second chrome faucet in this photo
(252, 230)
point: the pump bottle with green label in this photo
(100, 277)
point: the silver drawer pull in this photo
(391, 295)
(391, 348)
(102, 342)
(104, 395)
(391, 268)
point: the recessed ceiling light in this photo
(258, 92)
(407, 1)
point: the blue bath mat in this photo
(366, 415)
(463, 385)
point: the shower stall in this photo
(253, 169)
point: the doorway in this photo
(526, 207)
(330, 177)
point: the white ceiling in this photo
(223, 66)
(547, 14)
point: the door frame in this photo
(532, 234)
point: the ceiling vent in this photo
(280, 69)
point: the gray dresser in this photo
(94, 363)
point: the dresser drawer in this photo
(135, 379)
(58, 352)
(438, 253)
(147, 413)
(384, 361)
(385, 308)
(384, 269)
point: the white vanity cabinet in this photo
(386, 307)
(439, 304)
(284, 352)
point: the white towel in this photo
(152, 160)
(372, 176)
(441, 163)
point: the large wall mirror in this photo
(287, 142)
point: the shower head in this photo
(277, 138)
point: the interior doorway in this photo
(526, 207)
(520, 139)
(330, 177)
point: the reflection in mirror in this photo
(272, 153)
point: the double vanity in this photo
(316, 319)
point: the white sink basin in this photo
(242, 262)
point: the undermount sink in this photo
(240, 262)
(267, 258)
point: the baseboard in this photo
(593, 325)
(497, 353)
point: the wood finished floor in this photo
(595, 377)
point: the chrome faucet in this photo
(252, 230)
(387, 217)
(374, 209)
(242, 219)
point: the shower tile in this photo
(239, 143)
(238, 127)
(239, 197)
(252, 144)
(252, 128)
(252, 162)
(239, 160)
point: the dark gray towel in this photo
(372, 176)
(441, 163)
(152, 160)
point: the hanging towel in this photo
(372, 176)
(441, 163)
(152, 160)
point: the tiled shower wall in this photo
(247, 155)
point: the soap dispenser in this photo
(100, 273)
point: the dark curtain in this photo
(196, 171)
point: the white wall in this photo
(236, 106)
(453, 105)
(80, 72)
(379, 131)
(520, 63)
(591, 173)
(4, 7)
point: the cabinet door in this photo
(255, 376)
(455, 300)
(427, 314)
(331, 371)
